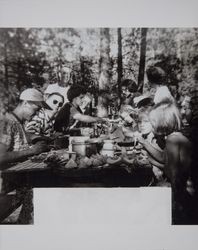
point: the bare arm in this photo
(156, 163)
(9, 157)
(86, 118)
(156, 154)
(188, 113)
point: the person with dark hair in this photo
(15, 146)
(129, 90)
(71, 116)
(157, 79)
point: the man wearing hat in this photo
(13, 140)
(14, 146)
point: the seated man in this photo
(13, 140)
(14, 144)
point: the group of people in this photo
(172, 154)
(43, 115)
(158, 129)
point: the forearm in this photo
(156, 163)
(188, 115)
(86, 118)
(9, 157)
(156, 154)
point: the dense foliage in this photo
(38, 57)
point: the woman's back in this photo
(177, 157)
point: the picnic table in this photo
(26, 175)
(39, 174)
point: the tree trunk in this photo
(82, 70)
(142, 60)
(6, 82)
(120, 67)
(105, 65)
(104, 71)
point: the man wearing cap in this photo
(13, 140)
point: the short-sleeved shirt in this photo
(12, 133)
(163, 93)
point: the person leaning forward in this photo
(14, 144)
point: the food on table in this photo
(88, 161)
(82, 163)
(114, 160)
(39, 158)
(128, 161)
(142, 160)
(55, 158)
(71, 164)
(96, 163)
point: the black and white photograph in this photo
(98, 108)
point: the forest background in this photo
(98, 58)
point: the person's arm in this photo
(87, 118)
(156, 163)
(188, 113)
(9, 157)
(173, 169)
(156, 154)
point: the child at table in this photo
(176, 156)
(145, 130)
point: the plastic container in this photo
(84, 148)
(108, 148)
(77, 139)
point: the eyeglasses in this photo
(60, 104)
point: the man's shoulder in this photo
(7, 118)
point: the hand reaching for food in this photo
(138, 138)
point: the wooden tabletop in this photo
(27, 166)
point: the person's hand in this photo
(33, 127)
(102, 120)
(138, 137)
(40, 147)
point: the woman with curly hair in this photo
(71, 115)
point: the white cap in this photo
(34, 95)
(55, 88)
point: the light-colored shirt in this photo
(163, 93)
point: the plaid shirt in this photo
(12, 133)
